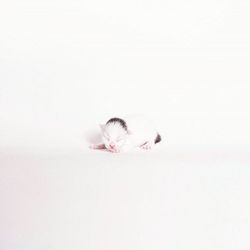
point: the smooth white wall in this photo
(65, 66)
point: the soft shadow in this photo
(93, 136)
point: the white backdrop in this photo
(68, 65)
(65, 66)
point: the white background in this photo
(66, 66)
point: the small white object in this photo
(123, 134)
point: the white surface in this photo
(96, 200)
(66, 66)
